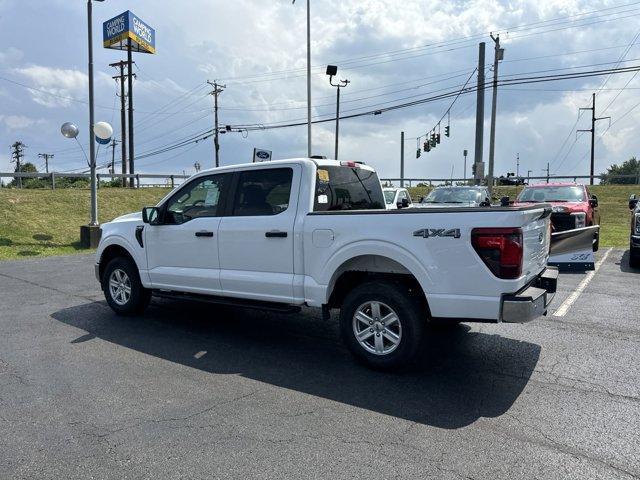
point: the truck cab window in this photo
(198, 199)
(263, 192)
(347, 188)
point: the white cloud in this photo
(55, 86)
(20, 122)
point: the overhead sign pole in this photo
(128, 32)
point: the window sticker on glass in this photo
(323, 199)
(323, 175)
(212, 196)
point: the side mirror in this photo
(633, 202)
(504, 201)
(405, 203)
(420, 199)
(594, 201)
(151, 215)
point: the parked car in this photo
(573, 205)
(634, 238)
(395, 198)
(450, 196)
(282, 234)
(510, 180)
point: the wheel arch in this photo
(112, 251)
(369, 267)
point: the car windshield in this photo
(552, 194)
(455, 195)
(389, 195)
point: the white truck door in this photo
(182, 253)
(256, 236)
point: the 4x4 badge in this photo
(437, 232)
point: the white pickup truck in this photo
(283, 234)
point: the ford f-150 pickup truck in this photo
(288, 233)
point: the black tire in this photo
(634, 257)
(411, 313)
(596, 244)
(139, 297)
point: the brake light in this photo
(500, 249)
(349, 164)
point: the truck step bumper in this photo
(533, 300)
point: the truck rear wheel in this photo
(122, 287)
(382, 324)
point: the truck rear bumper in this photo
(532, 301)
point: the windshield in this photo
(389, 195)
(455, 195)
(347, 188)
(552, 194)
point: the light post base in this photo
(90, 236)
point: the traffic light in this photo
(418, 152)
(447, 131)
(473, 169)
(427, 146)
(437, 138)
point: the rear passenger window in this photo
(263, 192)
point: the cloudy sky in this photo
(392, 51)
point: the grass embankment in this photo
(613, 203)
(47, 222)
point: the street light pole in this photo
(92, 145)
(308, 76)
(332, 70)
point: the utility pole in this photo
(547, 170)
(17, 154)
(594, 119)
(123, 117)
(517, 164)
(217, 90)
(478, 163)
(497, 56)
(46, 157)
(130, 76)
(529, 172)
(114, 142)
(401, 159)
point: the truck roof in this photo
(556, 184)
(303, 160)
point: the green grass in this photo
(37, 223)
(613, 203)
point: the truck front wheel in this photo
(122, 287)
(382, 324)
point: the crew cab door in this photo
(256, 235)
(182, 252)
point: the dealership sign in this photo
(127, 29)
(260, 155)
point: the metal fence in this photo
(170, 180)
(431, 181)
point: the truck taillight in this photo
(500, 249)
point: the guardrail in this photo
(574, 178)
(169, 178)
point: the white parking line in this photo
(566, 305)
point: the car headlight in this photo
(638, 223)
(559, 209)
(581, 219)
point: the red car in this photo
(573, 205)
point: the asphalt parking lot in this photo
(197, 391)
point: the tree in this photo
(26, 167)
(630, 167)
